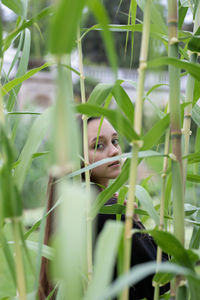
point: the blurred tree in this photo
(93, 48)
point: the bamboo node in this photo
(143, 65)
(84, 117)
(82, 77)
(129, 215)
(138, 143)
(163, 175)
(172, 156)
(173, 40)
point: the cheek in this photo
(93, 157)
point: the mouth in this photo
(115, 164)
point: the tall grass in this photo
(76, 272)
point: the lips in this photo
(115, 163)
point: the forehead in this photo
(106, 129)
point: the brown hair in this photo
(45, 284)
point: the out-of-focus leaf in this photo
(71, 225)
(105, 254)
(196, 95)
(123, 101)
(193, 158)
(26, 24)
(1, 35)
(100, 93)
(21, 69)
(15, 5)
(155, 133)
(47, 251)
(196, 115)
(193, 178)
(165, 240)
(142, 154)
(147, 203)
(194, 43)
(182, 11)
(36, 135)
(11, 84)
(65, 22)
(9, 257)
(139, 272)
(193, 69)
(156, 16)
(113, 117)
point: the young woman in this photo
(144, 248)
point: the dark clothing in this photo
(144, 250)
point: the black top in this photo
(144, 250)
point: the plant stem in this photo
(189, 98)
(136, 144)
(86, 159)
(18, 260)
(162, 205)
(175, 123)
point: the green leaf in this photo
(64, 26)
(15, 5)
(194, 43)
(1, 35)
(36, 135)
(141, 271)
(196, 114)
(192, 68)
(193, 178)
(113, 117)
(165, 240)
(156, 16)
(23, 64)
(13, 83)
(104, 258)
(182, 11)
(9, 256)
(47, 251)
(26, 24)
(142, 154)
(147, 203)
(100, 93)
(196, 95)
(123, 101)
(107, 193)
(155, 133)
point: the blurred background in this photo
(38, 92)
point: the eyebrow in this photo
(102, 137)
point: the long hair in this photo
(45, 284)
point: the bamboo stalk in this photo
(175, 124)
(136, 144)
(189, 98)
(86, 160)
(162, 206)
(21, 285)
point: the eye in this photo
(115, 141)
(100, 146)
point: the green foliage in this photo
(25, 149)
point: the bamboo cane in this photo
(175, 129)
(188, 98)
(21, 285)
(136, 144)
(162, 205)
(86, 159)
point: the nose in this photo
(113, 150)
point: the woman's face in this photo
(108, 146)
